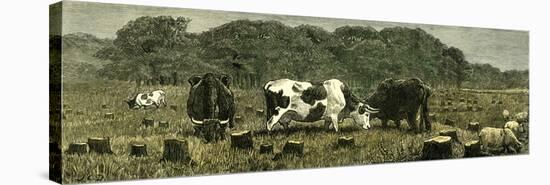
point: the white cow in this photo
(331, 100)
(146, 100)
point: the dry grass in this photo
(377, 145)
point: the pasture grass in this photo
(376, 145)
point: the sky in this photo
(505, 49)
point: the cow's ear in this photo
(194, 80)
(225, 79)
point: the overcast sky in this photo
(505, 49)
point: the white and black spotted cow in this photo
(146, 100)
(331, 100)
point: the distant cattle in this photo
(499, 140)
(211, 98)
(402, 99)
(147, 100)
(330, 100)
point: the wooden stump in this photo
(474, 126)
(480, 108)
(260, 112)
(445, 109)
(439, 147)
(175, 150)
(109, 115)
(294, 147)
(238, 119)
(462, 100)
(210, 130)
(266, 148)
(148, 122)
(77, 148)
(138, 150)
(499, 102)
(451, 133)
(442, 103)
(449, 103)
(100, 145)
(104, 106)
(79, 112)
(242, 140)
(472, 149)
(346, 141)
(455, 109)
(174, 107)
(475, 102)
(249, 108)
(163, 124)
(68, 111)
(449, 121)
(470, 108)
(432, 116)
(493, 101)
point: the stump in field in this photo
(68, 111)
(442, 103)
(445, 109)
(455, 109)
(451, 133)
(138, 150)
(79, 112)
(242, 140)
(109, 115)
(249, 108)
(345, 141)
(294, 147)
(462, 100)
(77, 148)
(148, 122)
(449, 121)
(238, 119)
(103, 106)
(174, 107)
(100, 145)
(449, 103)
(480, 108)
(493, 101)
(472, 149)
(439, 147)
(175, 150)
(475, 102)
(499, 102)
(210, 130)
(432, 116)
(260, 112)
(474, 126)
(163, 124)
(470, 108)
(266, 148)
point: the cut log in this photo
(148, 122)
(138, 150)
(242, 140)
(439, 147)
(238, 119)
(260, 112)
(249, 109)
(175, 150)
(210, 130)
(103, 106)
(345, 141)
(474, 126)
(451, 133)
(174, 107)
(294, 147)
(266, 148)
(100, 145)
(78, 148)
(163, 124)
(472, 149)
(432, 116)
(109, 115)
(499, 102)
(462, 100)
(449, 121)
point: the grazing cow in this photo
(516, 127)
(498, 140)
(211, 98)
(331, 100)
(146, 100)
(401, 99)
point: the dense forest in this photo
(161, 50)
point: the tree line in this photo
(157, 48)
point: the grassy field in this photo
(377, 145)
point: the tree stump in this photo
(163, 124)
(470, 108)
(480, 108)
(493, 101)
(439, 147)
(451, 133)
(175, 150)
(462, 100)
(109, 115)
(238, 119)
(249, 108)
(445, 109)
(103, 106)
(260, 112)
(346, 141)
(432, 116)
(138, 150)
(474, 126)
(294, 147)
(242, 140)
(266, 148)
(148, 122)
(68, 111)
(455, 109)
(449, 103)
(100, 145)
(79, 112)
(174, 107)
(442, 103)
(77, 148)
(449, 121)
(475, 102)
(472, 149)
(499, 102)
(210, 130)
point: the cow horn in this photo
(224, 121)
(196, 122)
(370, 109)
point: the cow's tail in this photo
(424, 109)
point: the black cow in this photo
(211, 98)
(401, 99)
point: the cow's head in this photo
(361, 114)
(381, 93)
(210, 98)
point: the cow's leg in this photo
(397, 123)
(411, 121)
(334, 121)
(327, 124)
(275, 118)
